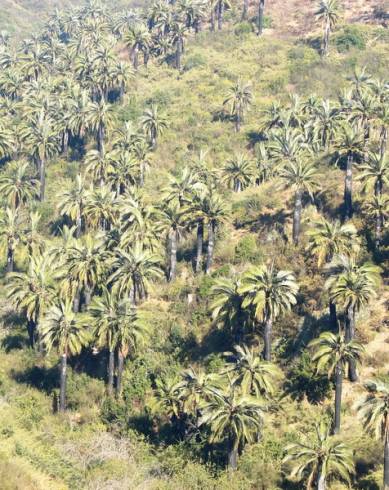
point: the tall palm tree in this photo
(32, 292)
(7, 141)
(352, 286)
(137, 39)
(10, 234)
(374, 172)
(271, 293)
(334, 353)
(377, 208)
(99, 118)
(238, 172)
(62, 329)
(72, 203)
(350, 145)
(301, 176)
(330, 238)
(154, 124)
(374, 412)
(319, 456)
(17, 184)
(101, 208)
(261, 16)
(99, 164)
(239, 98)
(31, 236)
(327, 13)
(254, 376)
(232, 417)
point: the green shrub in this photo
(247, 250)
(136, 382)
(351, 37)
(194, 61)
(83, 391)
(243, 28)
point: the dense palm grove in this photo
(86, 267)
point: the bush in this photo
(83, 391)
(194, 61)
(247, 250)
(351, 37)
(243, 28)
(136, 382)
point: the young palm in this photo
(132, 272)
(352, 286)
(328, 14)
(239, 98)
(374, 412)
(17, 185)
(32, 292)
(271, 293)
(301, 176)
(153, 124)
(62, 329)
(333, 353)
(10, 234)
(72, 204)
(254, 376)
(320, 456)
(232, 417)
(238, 173)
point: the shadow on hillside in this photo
(14, 342)
(255, 137)
(17, 336)
(42, 378)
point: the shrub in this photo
(194, 61)
(351, 37)
(243, 28)
(136, 382)
(247, 250)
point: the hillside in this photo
(177, 227)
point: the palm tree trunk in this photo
(62, 389)
(267, 334)
(120, 374)
(100, 139)
(31, 327)
(111, 368)
(297, 216)
(87, 295)
(383, 139)
(245, 10)
(220, 12)
(338, 396)
(349, 335)
(76, 301)
(199, 252)
(173, 255)
(178, 55)
(333, 316)
(232, 456)
(10, 259)
(142, 174)
(348, 189)
(212, 20)
(378, 230)
(261, 13)
(321, 482)
(78, 226)
(211, 247)
(42, 178)
(386, 459)
(326, 39)
(238, 121)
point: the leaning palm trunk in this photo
(173, 255)
(348, 189)
(111, 368)
(211, 247)
(199, 246)
(338, 396)
(386, 456)
(261, 14)
(350, 335)
(267, 338)
(297, 216)
(62, 389)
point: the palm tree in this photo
(137, 39)
(271, 293)
(42, 140)
(99, 164)
(179, 31)
(334, 353)
(7, 141)
(239, 98)
(101, 208)
(175, 221)
(153, 124)
(374, 412)
(261, 16)
(327, 13)
(254, 376)
(232, 417)
(374, 172)
(32, 292)
(350, 145)
(238, 173)
(99, 118)
(17, 184)
(352, 286)
(10, 233)
(61, 328)
(330, 238)
(377, 207)
(132, 272)
(302, 176)
(320, 456)
(31, 237)
(72, 203)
